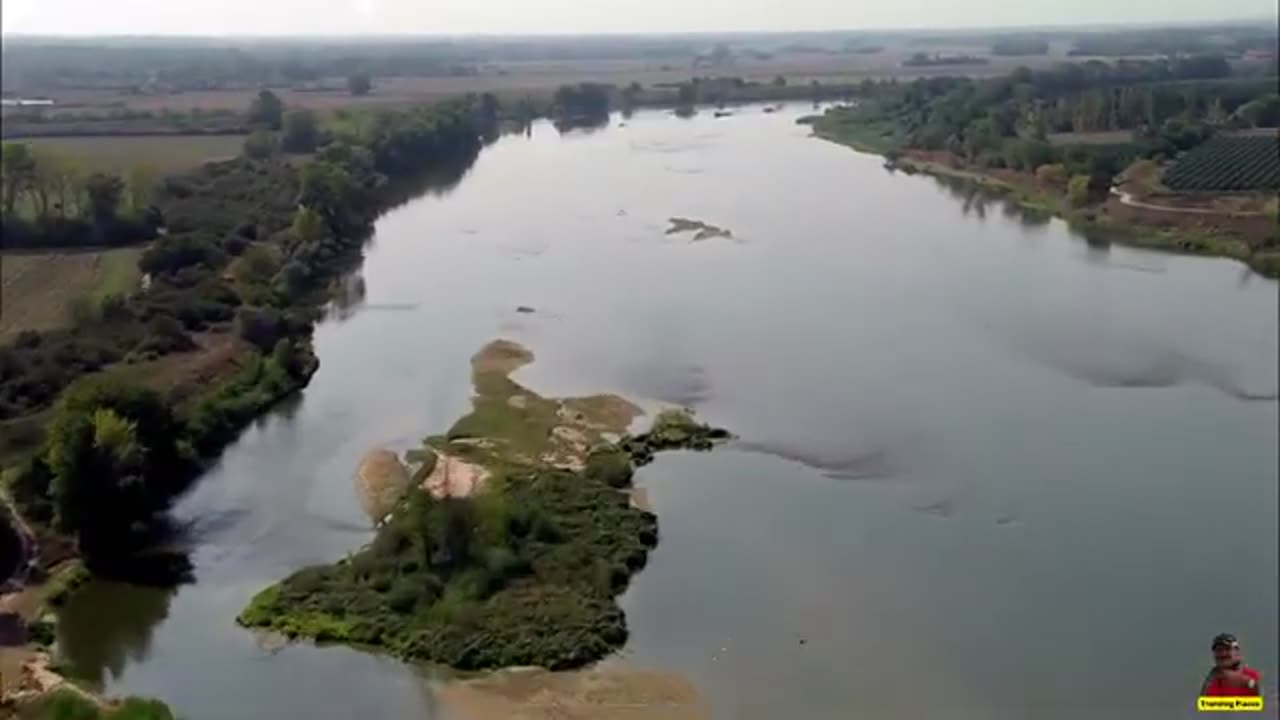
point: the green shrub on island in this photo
(522, 573)
(65, 704)
(672, 430)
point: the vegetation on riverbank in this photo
(523, 569)
(996, 132)
(67, 704)
(249, 250)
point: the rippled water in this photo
(988, 469)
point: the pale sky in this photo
(344, 17)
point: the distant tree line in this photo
(1167, 106)
(939, 60)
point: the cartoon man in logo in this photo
(1230, 677)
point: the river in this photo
(987, 469)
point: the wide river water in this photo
(987, 469)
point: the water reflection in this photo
(976, 199)
(105, 626)
(581, 126)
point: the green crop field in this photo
(1229, 163)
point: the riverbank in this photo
(1107, 218)
(524, 565)
(253, 248)
(615, 692)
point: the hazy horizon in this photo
(401, 18)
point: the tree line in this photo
(1167, 106)
(250, 247)
(49, 200)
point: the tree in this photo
(301, 132)
(43, 181)
(141, 186)
(103, 191)
(360, 84)
(687, 95)
(263, 327)
(256, 266)
(309, 226)
(267, 110)
(779, 81)
(328, 189)
(1027, 154)
(1078, 190)
(115, 457)
(17, 168)
(260, 145)
(286, 356)
(1262, 112)
(56, 183)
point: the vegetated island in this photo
(701, 230)
(1163, 154)
(512, 543)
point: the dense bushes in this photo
(219, 416)
(582, 104)
(113, 457)
(20, 233)
(1158, 108)
(522, 574)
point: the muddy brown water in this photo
(990, 470)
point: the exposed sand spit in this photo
(501, 356)
(600, 693)
(454, 477)
(380, 481)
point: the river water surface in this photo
(987, 470)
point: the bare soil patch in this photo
(37, 288)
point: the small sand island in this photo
(508, 544)
(701, 231)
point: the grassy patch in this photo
(855, 129)
(510, 423)
(66, 582)
(162, 153)
(525, 570)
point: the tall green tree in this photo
(17, 171)
(360, 84)
(104, 192)
(267, 110)
(115, 457)
(140, 187)
(329, 190)
(301, 132)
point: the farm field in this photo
(37, 288)
(516, 79)
(1228, 163)
(162, 153)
